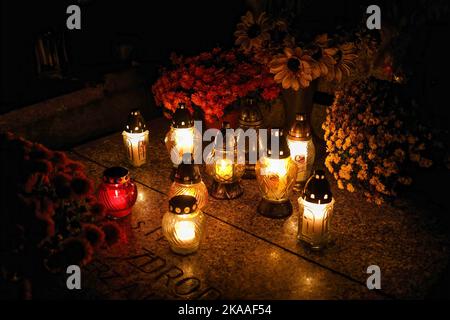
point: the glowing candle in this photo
(188, 181)
(302, 148)
(117, 193)
(316, 208)
(183, 224)
(224, 169)
(222, 165)
(185, 231)
(135, 139)
(182, 137)
(275, 174)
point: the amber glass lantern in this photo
(135, 139)
(183, 224)
(275, 174)
(188, 181)
(316, 209)
(251, 119)
(182, 137)
(302, 149)
(223, 166)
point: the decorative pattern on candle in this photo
(275, 178)
(136, 147)
(183, 224)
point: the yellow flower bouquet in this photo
(371, 142)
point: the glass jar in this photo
(188, 181)
(316, 210)
(223, 166)
(275, 175)
(117, 192)
(183, 224)
(302, 149)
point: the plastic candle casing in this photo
(135, 139)
(316, 209)
(223, 166)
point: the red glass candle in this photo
(117, 193)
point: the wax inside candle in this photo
(185, 231)
(224, 168)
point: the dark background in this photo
(157, 28)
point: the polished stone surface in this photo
(245, 255)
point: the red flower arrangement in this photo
(212, 81)
(50, 218)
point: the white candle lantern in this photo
(302, 149)
(183, 224)
(182, 137)
(316, 210)
(135, 139)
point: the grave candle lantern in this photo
(223, 166)
(251, 119)
(275, 174)
(135, 139)
(316, 209)
(117, 192)
(183, 224)
(182, 137)
(302, 149)
(188, 181)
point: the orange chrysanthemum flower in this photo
(292, 69)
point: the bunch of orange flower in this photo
(294, 65)
(212, 81)
(370, 142)
(50, 218)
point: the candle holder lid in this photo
(182, 117)
(301, 129)
(188, 172)
(116, 175)
(183, 204)
(136, 122)
(250, 116)
(317, 189)
(277, 138)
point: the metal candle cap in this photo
(277, 137)
(116, 175)
(136, 122)
(301, 129)
(182, 117)
(183, 204)
(317, 189)
(188, 173)
(250, 116)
